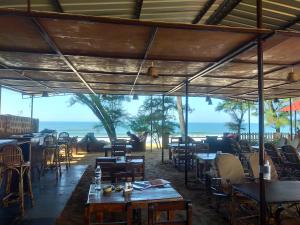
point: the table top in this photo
(147, 196)
(206, 156)
(276, 192)
(175, 144)
(128, 146)
(122, 160)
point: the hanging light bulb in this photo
(207, 99)
(152, 71)
(45, 94)
(276, 100)
(292, 76)
(135, 97)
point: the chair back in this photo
(230, 168)
(49, 140)
(108, 170)
(254, 165)
(173, 207)
(290, 154)
(245, 146)
(138, 169)
(295, 143)
(201, 147)
(282, 142)
(11, 156)
(106, 214)
(274, 154)
(118, 149)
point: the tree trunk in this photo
(180, 116)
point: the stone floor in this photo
(50, 198)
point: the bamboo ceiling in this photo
(64, 53)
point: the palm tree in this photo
(237, 111)
(108, 109)
(274, 117)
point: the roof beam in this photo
(20, 73)
(222, 11)
(57, 6)
(52, 44)
(138, 9)
(203, 11)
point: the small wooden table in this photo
(108, 148)
(139, 199)
(203, 162)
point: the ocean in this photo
(80, 129)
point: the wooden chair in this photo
(118, 149)
(179, 158)
(52, 157)
(171, 208)
(108, 214)
(108, 170)
(126, 174)
(201, 147)
(138, 168)
(12, 162)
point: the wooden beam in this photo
(138, 9)
(57, 6)
(222, 11)
(203, 11)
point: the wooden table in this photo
(120, 160)
(276, 192)
(108, 148)
(139, 199)
(203, 162)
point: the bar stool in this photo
(51, 155)
(12, 162)
(64, 142)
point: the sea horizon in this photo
(81, 128)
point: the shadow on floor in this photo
(50, 198)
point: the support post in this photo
(291, 119)
(260, 63)
(249, 123)
(186, 130)
(151, 122)
(162, 128)
(0, 98)
(31, 113)
(295, 119)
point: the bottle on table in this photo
(98, 177)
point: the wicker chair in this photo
(230, 171)
(12, 162)
(254, 165)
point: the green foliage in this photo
(237, 111)
(274, 117)
(142, 122)
(107, 108)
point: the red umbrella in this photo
(295, 107)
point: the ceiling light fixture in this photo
(45, 94)
(292, 76)
(153, 71)
(135, 97)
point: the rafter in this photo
(203, 11)
(57, 6)
(52, 44)
(222, 11)
(138, 9)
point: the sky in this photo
(58, 108)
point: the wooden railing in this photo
(253, 137)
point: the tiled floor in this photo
(50, 198)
